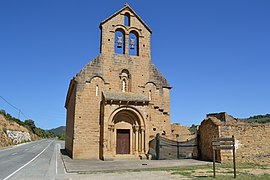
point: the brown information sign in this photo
(222, 143)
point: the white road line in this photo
(27, 162)
(63, 166)
(14, 154)
(61, 159)
(56, 151)
(26, 149)
(18, 145)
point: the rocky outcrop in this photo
(18, 136)
(12, 133)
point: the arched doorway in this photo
(127, 132)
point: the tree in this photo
(2, 111)
(193, 129)
(30, 124)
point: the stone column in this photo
(143, 139)
(126, 48)
(110, 139)
(110, 129)
(136, 139)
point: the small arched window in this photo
(150, 95)
(96, 90)
(127, 19)
(125, 81)
(133, 44)
(124, 85)
(119, 44)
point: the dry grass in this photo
(243, 171)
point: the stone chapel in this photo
(119, 101)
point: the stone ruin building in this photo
(251, 139)
(119, 101)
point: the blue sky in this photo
(215, 54)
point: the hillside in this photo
(257, 119)
(15, 131)
(59, 130)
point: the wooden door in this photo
(123, 141)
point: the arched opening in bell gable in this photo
(133, 43)
(119, 43)
(126, 19)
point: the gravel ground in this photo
(149, 175)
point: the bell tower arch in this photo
(125, 33)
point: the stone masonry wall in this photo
(207, 130)
(251, 141)
(87, 121)
(182, 132)
(70, 121)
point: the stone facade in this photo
(118, 102)
(251, 139)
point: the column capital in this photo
(136, 127)
(111, 126)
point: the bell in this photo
(119, 41)
(132, 43)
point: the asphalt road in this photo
(42, 160)
(34, 160)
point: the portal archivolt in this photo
(126, 132)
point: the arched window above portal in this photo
(125, 81)
(96, 90)
(150, 95)
(124, 85)
(133, 43)
(119, 42)
(127, 19)
(151, 88)
(125, 73)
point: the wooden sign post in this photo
(220, 144)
